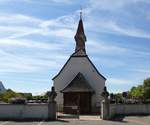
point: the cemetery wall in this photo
(28, 111)
(129, 109)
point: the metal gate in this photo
(73, 111)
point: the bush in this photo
(17, 101)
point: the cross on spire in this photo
(81, 12)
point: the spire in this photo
(80, 37)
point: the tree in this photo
(28, 96)
(125, 94)
(147, 93)
(146, 86)
(118, 98)
(6, 96)
(111, 96)
(137, 92)
(147, 82)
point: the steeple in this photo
(80, 37)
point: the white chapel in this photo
(79, 83)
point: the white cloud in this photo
(12, 25)
(129, 31)
(31, 44)
(113, 4)
(140, 70)
(60, 1)
(17, 25)
(102, 48)
(60, 27)
(29, 63)
(13, 35)
(114, 27)
(118, 81)
(107, 4)
(45, 2)
(111, 23)
(109, 63)
(67, 21)
(17, 19)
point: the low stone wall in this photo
(28, 111)
(129, 109)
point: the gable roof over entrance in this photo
(78, 84)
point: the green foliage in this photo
(118, 97)
(8, 95)
(141, 91)
(146, 82)
(28, 96)
(147, 92)
(146, 86)
(44, 97)
(137, 92)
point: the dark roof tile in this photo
(78, 84)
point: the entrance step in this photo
(90, 117)
(67, 116)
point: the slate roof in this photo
(78, 84)
(80, 35)
(80, 53)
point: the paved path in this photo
(128, 120)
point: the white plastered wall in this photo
(73, 67)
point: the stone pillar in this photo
(105, 105)
(52, 111)
(105, 109)
(52, 104)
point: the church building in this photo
(79, 83)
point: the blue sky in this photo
(37, 38)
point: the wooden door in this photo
(82, 100)
(70, 100)
(85, 103)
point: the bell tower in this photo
(80, 37)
